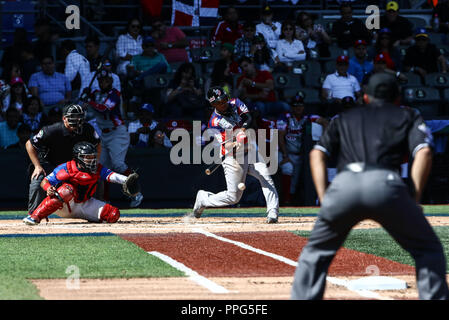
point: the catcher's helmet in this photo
(85, 156)
(218, 98)
(75, 116)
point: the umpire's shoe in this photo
(198, 208)
(30, 221)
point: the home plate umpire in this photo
(369, 143)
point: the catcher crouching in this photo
(71, 185)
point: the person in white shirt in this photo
(289, 49)
(129, 45)
(75, 64)
(341, 84)
(271, 30)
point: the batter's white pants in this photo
(114, 146)
(89, 210)
(236, 173)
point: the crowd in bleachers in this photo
(264, 62)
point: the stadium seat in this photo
(337, 51)
(444, 49)
(205, 54)
(436, 38)
(330, 66)
(314, 80)
(311, 96)
(417, 22)
(437, 80)
(413, 79)
(158, 81)
(308, 66)
(425, 99)
(287, 80)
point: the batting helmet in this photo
(75, 116)
(218, 98)
(85, 156)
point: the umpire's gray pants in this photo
(35, 194)
(382, 196)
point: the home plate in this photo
(377, 283)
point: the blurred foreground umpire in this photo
(53, 145)
(369, 143)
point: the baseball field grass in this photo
(106, 256)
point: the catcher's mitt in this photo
(131, 187)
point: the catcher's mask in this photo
(75, 116)
(85, 155)
(218, 98)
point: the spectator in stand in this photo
(147, 132)
(341, 84)
(347, 29)
(54, 115)
(442, 10)
(30, 64)
(53, 88)
(359, 64)
(45, 38)
(245, 46)
(185, 97)
(263, 55)
(224, 69)
(8, 128)
(170, 41)
(107, 65)
(401, 28)
(381, 65)
(424, 57)
(33, 115)
(289, 49)
(92, 44)
(313, 36)
(13, 70)
(292, 130)
(385, 45)
(129, 45)
(75, 65)
(228, 30)
(149, 62)
(271, 30)
(23, 134)
(256, 89)
(11, 53)
(17, 97)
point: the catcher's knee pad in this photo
(46, 208)
(66, 192)
(109, 214)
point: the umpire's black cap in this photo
(383, 86)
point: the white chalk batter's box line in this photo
(213, 287)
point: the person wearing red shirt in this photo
(256, 89)
(228, 30)
(170, 41)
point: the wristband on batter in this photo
(246, 118)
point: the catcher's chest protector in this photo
(85, 183)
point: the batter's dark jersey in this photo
(55, 143)
(376, 135)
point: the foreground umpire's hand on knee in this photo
(37, 172)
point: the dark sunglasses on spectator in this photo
(157, 26)
(288, 29)
(135, 26)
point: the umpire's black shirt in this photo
(378, 135)
(54, 143)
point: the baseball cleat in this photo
(136, 201)
(272, 218)
(30, 221)
(197, 208)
